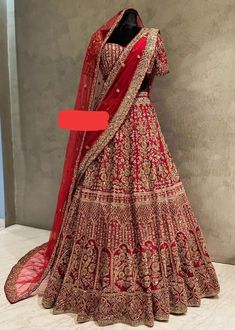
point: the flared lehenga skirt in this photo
(130, 249)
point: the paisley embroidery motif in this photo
(131, 249)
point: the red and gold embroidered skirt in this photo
(131, 249)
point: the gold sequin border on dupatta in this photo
(126, 103)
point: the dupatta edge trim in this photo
(126, 103)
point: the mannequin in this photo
(126, 30)
(103, 261)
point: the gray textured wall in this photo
(195, 102)
(6, 119)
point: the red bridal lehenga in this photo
(125, 245)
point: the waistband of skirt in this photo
(143, 94)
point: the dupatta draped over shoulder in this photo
(114, 95)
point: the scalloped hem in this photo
(82, 318)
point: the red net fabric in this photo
(26, 276)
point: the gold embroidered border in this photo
(127, 101)
(123, 199)
(10, 283)
(146, 193)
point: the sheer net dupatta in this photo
(27, 274)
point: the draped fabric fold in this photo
(114, 95)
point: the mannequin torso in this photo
(126, 30)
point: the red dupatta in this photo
(115, 95)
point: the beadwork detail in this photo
(112, 51)
(109, 56)
(131, 248)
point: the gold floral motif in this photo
(111, 270)
(115, 261)
(137, 247)
(156, 169)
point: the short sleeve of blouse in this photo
(161, 61)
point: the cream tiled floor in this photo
(15, 241)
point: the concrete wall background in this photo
(7, 114)
(2, 206)
(195, 102)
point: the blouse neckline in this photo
(135, 37)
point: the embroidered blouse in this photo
(111, 52)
